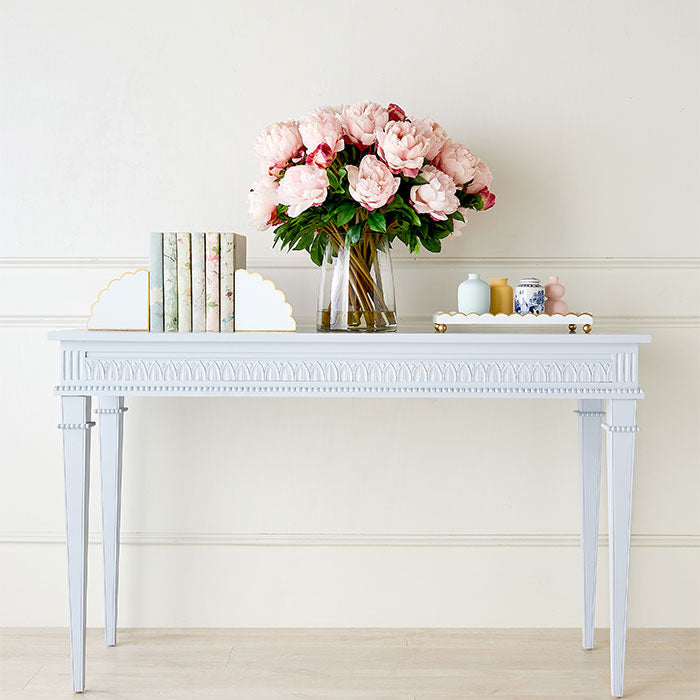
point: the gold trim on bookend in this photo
(276, 289)
(473, 313)
(116, 279)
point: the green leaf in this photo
(354, 234)
(400, 205)
(344, 213)
(316, 251)
(471, 201)
(396, 203)
(458, 215)
(431, 244)
(377, 222)
(419, 180)
(402, 233)
(305, 241)
(415, 219)
(414, 243)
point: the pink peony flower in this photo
(482, 178)
(278, 145)
(372, 184)
(437, 136)
(457, 161)
(262, 203)
(488, 197)
(322, 126)
(361, 121)
(302, 186)
(437, 197)
(396, 114)
(402, 146)
(321, 156)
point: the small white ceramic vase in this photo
(529, 297)
(473, 295)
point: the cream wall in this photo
(125, 117)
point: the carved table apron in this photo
(599, 371)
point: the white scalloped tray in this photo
(444, 319)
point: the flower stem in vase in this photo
(354, 284)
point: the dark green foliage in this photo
(340, 214)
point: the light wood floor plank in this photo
(343, 664)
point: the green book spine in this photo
(156, 324)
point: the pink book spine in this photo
(212, 282)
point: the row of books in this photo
(192, 281)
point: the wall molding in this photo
(351, 539)
(43, 321)
(286, 261)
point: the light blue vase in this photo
(473, 295)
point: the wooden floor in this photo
(401, 664)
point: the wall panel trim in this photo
(285, 261)
(352, 539)
(406, 322)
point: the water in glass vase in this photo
(357, 285)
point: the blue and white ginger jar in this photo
(529, 297)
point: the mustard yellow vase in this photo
(501, 296)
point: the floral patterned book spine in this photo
(184, 283)
(212, 282)
(198, 284)
(156, 283)
(170, 281)
(226, 282)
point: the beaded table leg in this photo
(621, 431)
(76, 458)
(111, 426)
(590, 416)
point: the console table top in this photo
(367, 339)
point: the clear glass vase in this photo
(357, 286)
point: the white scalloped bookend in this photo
(122, 305)
(260, 306)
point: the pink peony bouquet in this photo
(364, 168)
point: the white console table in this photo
(599, 371)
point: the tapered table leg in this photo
(76, 426)
(590, 416)
(621, 432)
(111, 425)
